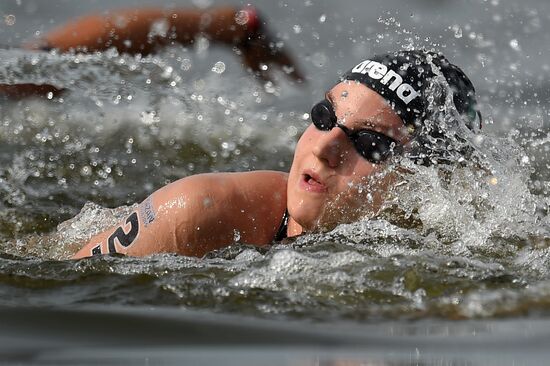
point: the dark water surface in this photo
(139, 336)
(456, 269)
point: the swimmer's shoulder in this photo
(228, 195)
(236, 184)
(251, 204)
(258, 182)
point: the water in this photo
(467, 241)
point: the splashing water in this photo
(467, 239)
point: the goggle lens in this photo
(373, 146)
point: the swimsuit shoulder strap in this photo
(281, 233)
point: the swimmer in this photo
(340, 172)
(144, 30)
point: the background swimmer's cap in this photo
(406, 80)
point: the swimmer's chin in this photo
(322, 225)
(332, 216)
(355, 215)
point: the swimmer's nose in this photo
(332, 146)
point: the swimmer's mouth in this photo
(313, 183)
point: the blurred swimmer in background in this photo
(144, 30)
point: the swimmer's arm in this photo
(132, 31)
(198, 214)
(18, 91)
(140, 30)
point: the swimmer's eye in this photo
(373, 146)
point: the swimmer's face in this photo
(330, 182)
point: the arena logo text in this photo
(379, 71)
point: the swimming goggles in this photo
(372, 145)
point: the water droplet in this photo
(241, 17)
(202, 44)
(219, 67)
(9, 19)
(228, 145)
(236, 235)
(322, 18)
(147, 118)
(297, 28)
(86, 171)
(269, 88)
(159, 28)
(121, 21)
(288, 69)
(457, 30)
(185, 64)
(292, 131)
(319, 59)
(515, 44)
(167, 72)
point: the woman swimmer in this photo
(143, 30)
(380, 108)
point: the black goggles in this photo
(372, 145)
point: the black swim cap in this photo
(406, 79)
(416, 84)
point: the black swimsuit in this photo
(281, 233)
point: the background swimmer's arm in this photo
(198, 214)
(18, 91)
(141, 30)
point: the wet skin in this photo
(329, 181)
